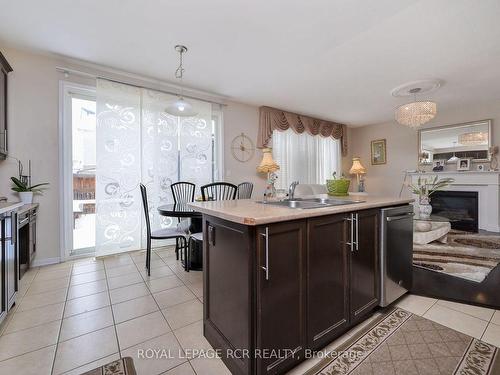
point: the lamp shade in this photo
(267, 164)
(357, 167)
(181, 108)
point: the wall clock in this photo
(242, 148)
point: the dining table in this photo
(183, 211)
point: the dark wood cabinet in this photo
(327, 279)
(274, 291)
(281, 295)
(364, 265)
(5, 68)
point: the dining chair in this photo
(219, 191)
(161, 234)
(182, 192)
(245, 190)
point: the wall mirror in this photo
(469, 140)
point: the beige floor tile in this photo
(84, 268)
(191, 277)
(128, 292)
(87, 289)
(121, 281)
(56, 266)
(184, 369)
(416, 304)
(84, 349)
(210, 366)
(166, 345)
(476, 311)
(174, 296)
(35, 317)
(93, 365)
(196, 288)
(121, 271)
(164, 283)
(492, 335)
(42, 299)
(184, 314)
(117, 261)
(155, 263)
(87, 277)
(52, 274)
(132, 309)
(191, 338)
(28, 340)
(87, 303)
(143, 328)
(457, 320)
(43, 286)
(34, 363)
(157, 272)
(496, 317)
(80, 324)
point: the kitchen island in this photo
(279, 282)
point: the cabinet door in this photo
(327, 283)
(11, 259)
(364, 283)
(3, 111)
(281, 250)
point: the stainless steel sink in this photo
(311, 202)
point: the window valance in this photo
(274, 119)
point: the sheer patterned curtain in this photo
(305, 158)
(137, 141)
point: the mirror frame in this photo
(460, 125)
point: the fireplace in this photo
(461, 207)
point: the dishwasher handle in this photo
(400, 217)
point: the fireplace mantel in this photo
(487, 184)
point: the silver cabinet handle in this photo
(24, 221)
(351, 238)
(266, 267)
(357, 232)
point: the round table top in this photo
(436, 218)
(178, 210)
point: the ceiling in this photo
(334, 59)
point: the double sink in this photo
(311, 202)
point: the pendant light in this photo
(416, 113)
(454, 158)
(180, 107)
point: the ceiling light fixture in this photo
(416, 113)
(180, 107)
(473, 139)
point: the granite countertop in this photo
(250, 212)
(20, 207)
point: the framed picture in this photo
(379, 153)
(463, 164)
(438, 165)
(480, 167)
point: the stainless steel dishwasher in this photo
(396, 252)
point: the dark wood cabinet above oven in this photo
(5, 69)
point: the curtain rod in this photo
(95, 76)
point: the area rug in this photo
(466, 255)
(401, 343)
(123, 366)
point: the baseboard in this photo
(45, 262)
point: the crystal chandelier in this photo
(416, 113)
(180, 107)
(473, 139)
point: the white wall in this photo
(33, 134)
(402, 144)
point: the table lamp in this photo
(358, 169)
(269, 166)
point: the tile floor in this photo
(74, 316)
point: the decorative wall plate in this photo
(242, 148)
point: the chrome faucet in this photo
(291, 189)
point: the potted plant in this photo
(26, 192)
(424, 189)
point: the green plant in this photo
(425, 187)
(21, 186)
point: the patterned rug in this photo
(400, 343)
(465, 255)
(123, 366)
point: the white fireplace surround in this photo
(486, 184)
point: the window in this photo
(305, 158)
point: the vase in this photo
(424, 207)
(26, 197)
